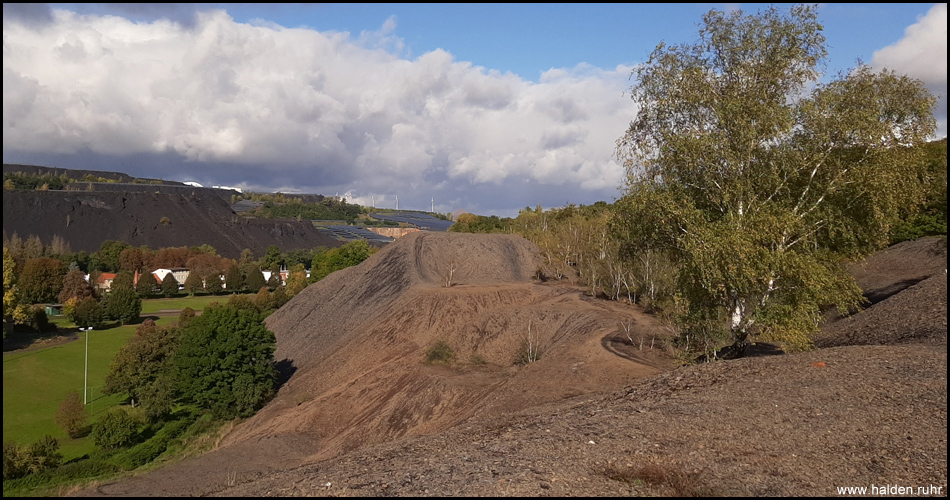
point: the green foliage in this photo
(234, 279)
(756, 198)
(169, 286)
(142, 369)
(150, 449)
(19, 461)
(326, 209)
(471, 223)
(115, 429)
(224, 362)
(147, 285)
(23, 180)
(41, 280)
(440, 352)
(193, 283)
(350, 254)
(213, 284)
(109, 255)
(272, 257)
(929, 218)
(88, 312)
(279, 297)
(71, 416)
(254, 278)
(122, 304)
(124, 280)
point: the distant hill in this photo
(159, 216)
(82, 174)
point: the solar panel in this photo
(419, 219)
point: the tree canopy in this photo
(224, 361)
(756, 179)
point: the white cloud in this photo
(310, 111)
(922, 54)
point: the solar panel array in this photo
(419, 219)
(351, 233)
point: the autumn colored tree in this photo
(75, 286)
(9, 278)
(71, 416)
(296, 280)
(204, 265)
(41, 280)
(131, 259)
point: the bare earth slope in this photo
(362, 415)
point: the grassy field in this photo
(36, 381)
(198, 302)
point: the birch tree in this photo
(757, 178)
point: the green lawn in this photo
(198, 302)
(35, 382)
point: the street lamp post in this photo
(85, 380)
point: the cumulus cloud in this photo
(922, 54)
(271, 108)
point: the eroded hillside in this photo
(86, 219)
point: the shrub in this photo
(88, 312)
(440, 352)
(71, 416)
(122, 304)
(19, 461)
(116, 429)
(148, 451)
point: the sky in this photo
(483, 108)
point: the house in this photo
(180, 274)
(104, 281)
(135, 281)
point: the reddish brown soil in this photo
(363, 415)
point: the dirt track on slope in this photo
(362, 415)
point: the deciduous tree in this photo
(41, 280)
(75, 286)
(71, 416)
(756, 178)
(122, 304)
(224, 362)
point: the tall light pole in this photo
(85, 380)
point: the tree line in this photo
(38, 274)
